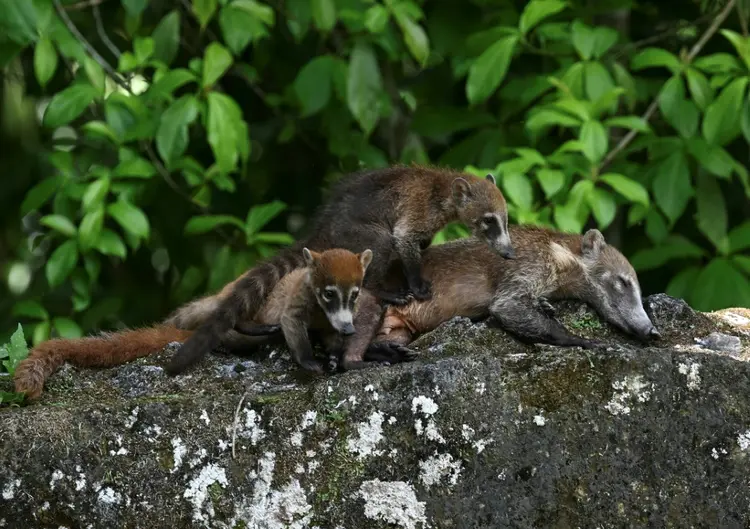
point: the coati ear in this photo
(309, 258)
(461, 190)
(491, 179)
(365, 258)
(593, 242)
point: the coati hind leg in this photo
(523, 317)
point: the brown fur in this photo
(289, 301)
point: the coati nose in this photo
(653, 333)
(507, 252)
(347, 330)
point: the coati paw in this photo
(422, 290)
(546, 307)
(311, 365)
(390, 353)
(591, 344)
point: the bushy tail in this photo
(242, 302)
(109, 349)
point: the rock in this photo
(718, 341)
(479, 432)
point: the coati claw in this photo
(546, 307)
(422, 291)
(257, 329)
(389, 352)
(311, 365)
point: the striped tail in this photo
(106, 350)
(240, 304)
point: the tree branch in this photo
(694, 51)
(103, 34)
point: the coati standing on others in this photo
(325, 296)
(469, 281)
(395, 211)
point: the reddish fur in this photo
(95, 351)
(337, 267)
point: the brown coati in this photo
(470, 281)
(396, 212)
(326, 296)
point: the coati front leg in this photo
(367, 322)
(250, 328)
(408, 249)
(294, 327)
(523, 317)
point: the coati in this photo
(470, 281)
(325, 296)
(396, 212)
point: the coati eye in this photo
(354, 294)
(328, 294)
(623, 282)
(488, 220)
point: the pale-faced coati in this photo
(395, 212)
(326, 296)
(469, 281)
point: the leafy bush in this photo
(158, 144)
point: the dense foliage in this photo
(153, 150)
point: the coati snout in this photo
(485, 212)
(336, 279)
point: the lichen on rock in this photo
(479, 431)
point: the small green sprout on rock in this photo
(11, 354)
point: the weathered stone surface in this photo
(479, 432)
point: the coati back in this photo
(395, 212)
(323, 296)
(470, 281)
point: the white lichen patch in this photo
(391, 420)
(371, 389)
(299, 469)
(426, 404)
(467, 432)
(539, 420)
(370, 433)
(57, 475)
(629, 390)
(81, 482)
(480, 444)
(744, 440)
(108, 496)
(432, 433)
(178, 452)
(222, 444)
(308, 420)
(434, 469)
(480, 388)
(286, 508)
(392, 502)
(9, 491)
(691, 372)
(152, 432)
(296, 439)
(250, 428)
(130, 421)
(197, 490)
(204, 417)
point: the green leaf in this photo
(415, 38)
(67, 328)
(166, 37)
(743, 263)
(656, 227)
(109, 243)
(541, 119)
(594, 140)
(720, 285)
(574, 107)
(518, 189)
(583, 39)
(682, 284)
(91, 228)
(712, 211)
(674, 247)
(144, 49)
(740, 43)
(323, 14)
(227, 132)
(376, 18)
(711, 157)
(313, 85)
(243, 21)
(551, 181)
(536, 11)
(489, 69)
(39, 194)
(262, 214)
(628, 122)
(364, 87)
(134, 7)
(59, 223)
(205, 223)
(699, 88)
(721, 123)
(216, 62)
(169, 82)
(718, 63)
(204, 10)
(672, 186)
(628, 188)
(134, 167)
(95, 193)
(656, 57)
(101, 130)
(602, 206)
(681, 113)
(17, 351)
(130, 217)
(45, 61)
(599, 82)
(30, 309)
(172, 135)
(67, 105)
(739, 238)
(61, 263)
